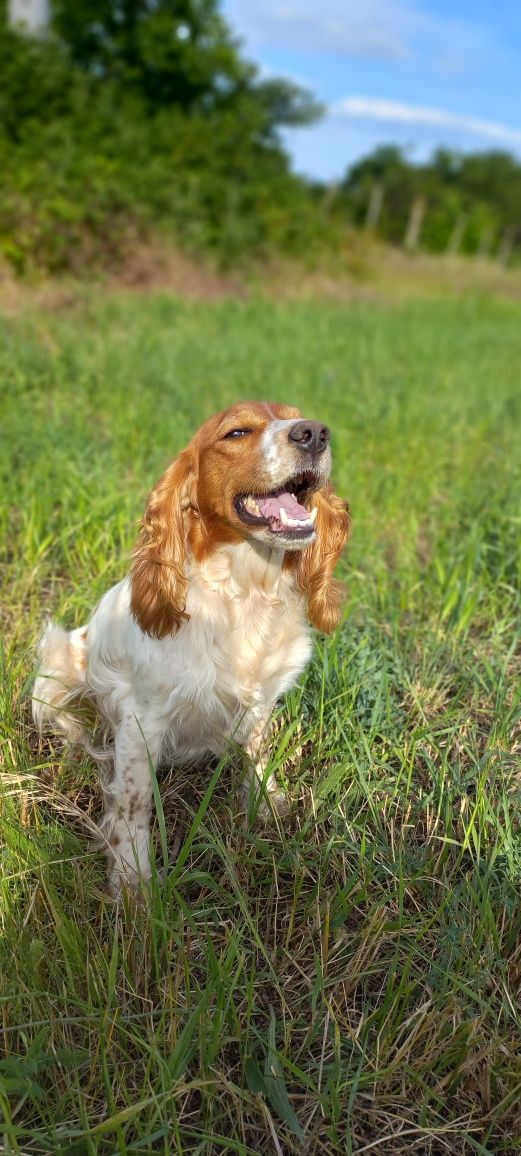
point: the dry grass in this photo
(364, 270)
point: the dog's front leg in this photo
(126, 823)
(256, 748)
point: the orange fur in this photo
(192, 506)
(314, 566)
(158, 574)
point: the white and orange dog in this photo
(235, 555)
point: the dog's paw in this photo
(261, 803)
(125, 879)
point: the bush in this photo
(100, 142)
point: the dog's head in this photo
(257, 472)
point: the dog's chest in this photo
(261, 640)
(263, 650)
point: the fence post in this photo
(374, 207)
(330, 195)
(414, 224)
(457, 234)
(506, 245)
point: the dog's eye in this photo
(237, 433)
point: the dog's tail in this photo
(60, 681)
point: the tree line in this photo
(135, 116)
(455, 202)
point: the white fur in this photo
(275, 434)
(216, 679)
(274, 446)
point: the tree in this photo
(133, 115)
(388, 167)
(173, 53)
(469, 200)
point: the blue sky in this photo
(401, 71)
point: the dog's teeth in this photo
(286, 520)
(297, 523)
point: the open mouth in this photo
(282, 511)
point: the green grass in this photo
(348, 981)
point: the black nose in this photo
(310, 436)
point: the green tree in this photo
(135, 115)
(172, 52)
(474, 197)
(388, 167)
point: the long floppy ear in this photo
(158, 574)
(315, 565)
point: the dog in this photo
(234, 558)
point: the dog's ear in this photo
(314, 566)
(158, 574)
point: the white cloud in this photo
(392, 112)
(375, 29)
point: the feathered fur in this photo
(158, 574)
(314, 566)
(210, 628)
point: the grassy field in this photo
(347, 982)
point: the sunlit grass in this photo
(346, 981)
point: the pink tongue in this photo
(271, 507)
